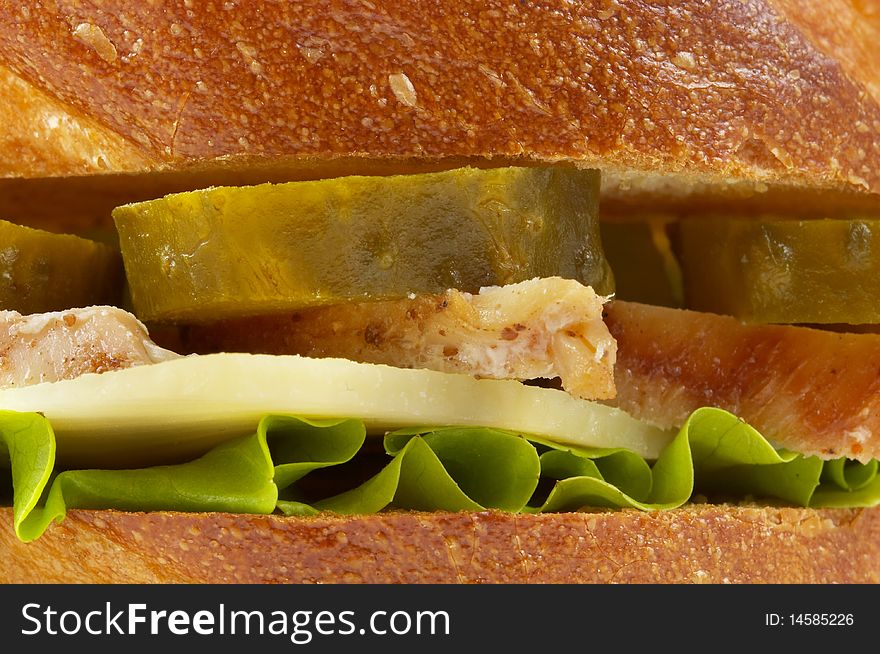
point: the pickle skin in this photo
(231, 252)
(783, 271)
(41, 271)
(645, 269)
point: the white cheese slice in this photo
(182, 407)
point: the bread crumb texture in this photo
(696, 544)
(763, 89)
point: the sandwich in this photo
(499, 292)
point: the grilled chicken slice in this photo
(543, 328)
(48, 347)
(811, 391)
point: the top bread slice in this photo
(779, 91)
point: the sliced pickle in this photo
(41, 271)
(228, 252)
(783, 271)
(645, 269)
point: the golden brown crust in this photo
(696, 544)
(729, 88)
(55, 141)
(847, 32)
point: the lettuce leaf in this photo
(450, 468)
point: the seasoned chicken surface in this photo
(807, 390)
(542, 328)
(48, 347)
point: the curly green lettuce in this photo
(450, 469)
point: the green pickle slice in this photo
(783, 271)
(645, 269)
(41, 271)
(231, 252)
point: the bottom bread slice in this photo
(700, 543)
